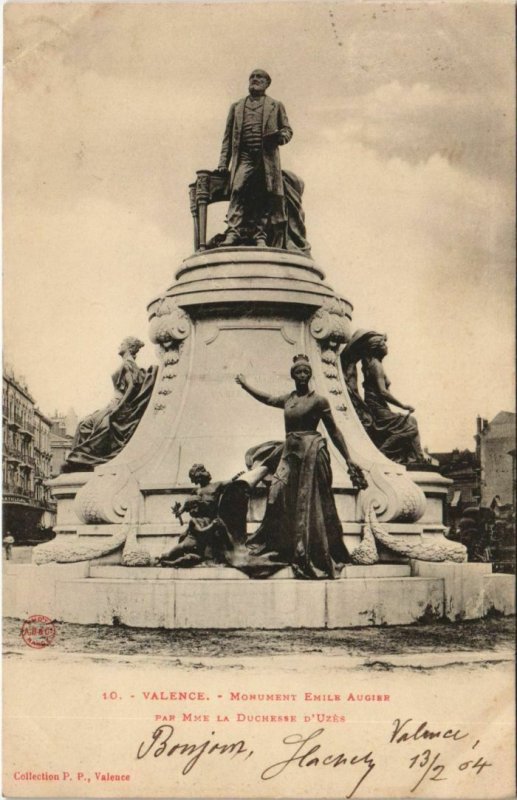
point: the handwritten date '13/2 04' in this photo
(303, 750)
(433, 765)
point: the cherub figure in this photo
(216, 531)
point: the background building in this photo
(481, 499)
(462, 467)
(489, 471)
(28, 511)
(496, 447)
(61, 438)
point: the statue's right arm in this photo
(380, 380)
(262, 397)
(226, 147)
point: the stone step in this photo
(203, 573)
(351, 571)
(66, 593)
(207, 573)
(266, 604)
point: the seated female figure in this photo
(396, 435)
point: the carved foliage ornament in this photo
(331, 321)
(434, 548)
(169, 324)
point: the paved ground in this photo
(486, 635)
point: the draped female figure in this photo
(301, 525)
(396, 435)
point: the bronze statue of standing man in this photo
(255, 128)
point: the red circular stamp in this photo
(38, 631)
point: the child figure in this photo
(211, 535)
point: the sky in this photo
(403, 121)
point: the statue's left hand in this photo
(273, 139)
(359, 482)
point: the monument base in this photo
(254, 310)
(89, 593)
(158, 536)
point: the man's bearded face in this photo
(258, 81)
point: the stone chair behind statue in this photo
(213, 187)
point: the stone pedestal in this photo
(92, 593)
(463, 586)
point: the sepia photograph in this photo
(259, 457)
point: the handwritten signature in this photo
(305, 756)
(302, 753)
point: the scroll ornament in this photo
(331, 321)
(169, 325)
(108, 496)
(111, 496)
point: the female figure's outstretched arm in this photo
(262, 397)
